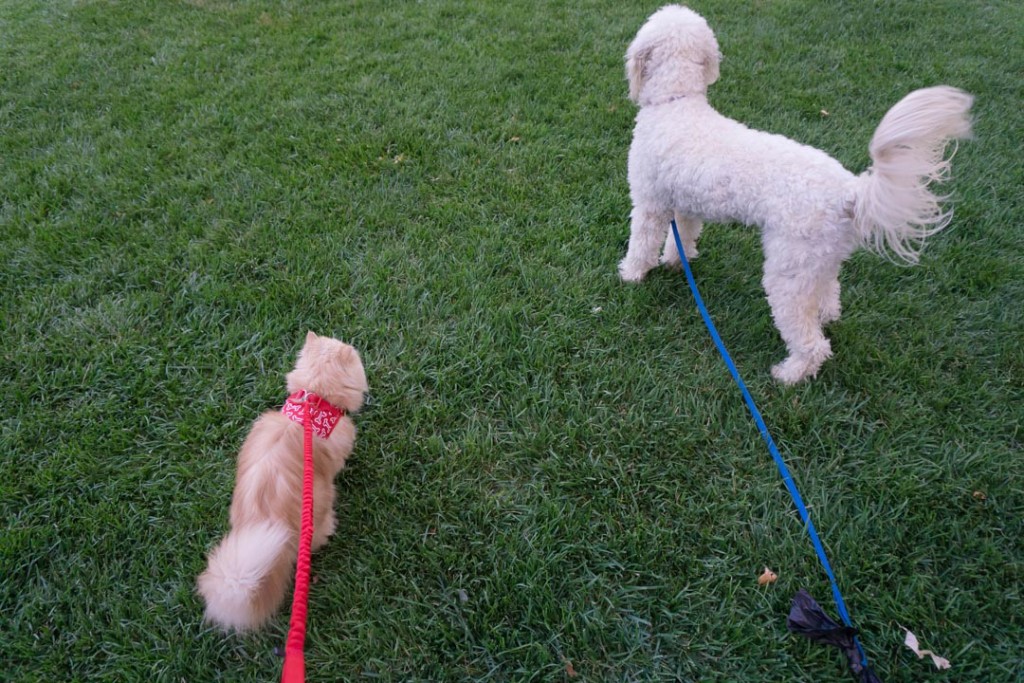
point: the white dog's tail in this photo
(247, 574)
(894, 207)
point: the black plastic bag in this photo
(807, 619)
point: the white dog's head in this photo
(675, 53)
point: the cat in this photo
(249, 571)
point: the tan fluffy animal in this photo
(248, 573)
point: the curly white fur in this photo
(689, 161)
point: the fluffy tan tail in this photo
(247, 575)
(894, 208)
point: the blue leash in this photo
(761, 427)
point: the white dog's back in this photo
(711, 166)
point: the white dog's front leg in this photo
(689, 233)
(646, 232)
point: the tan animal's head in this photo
(331, 369)
(673, 55)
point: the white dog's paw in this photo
(798, 367)
(670, 259)
(792, 370)
(630, 272)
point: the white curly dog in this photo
(690, 162)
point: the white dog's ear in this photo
(637, 61)
(711, 62)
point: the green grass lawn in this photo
(554, 474)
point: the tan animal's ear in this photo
(346, 354)
(636, 70)
(311, 336)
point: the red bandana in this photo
(323, 415)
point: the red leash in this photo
(294, 670)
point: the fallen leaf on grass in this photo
(911, 642)
(569, 670)
(768, 576)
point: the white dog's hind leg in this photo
(689, 233)
(793, 298)
(646, 233)
(829, 306)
